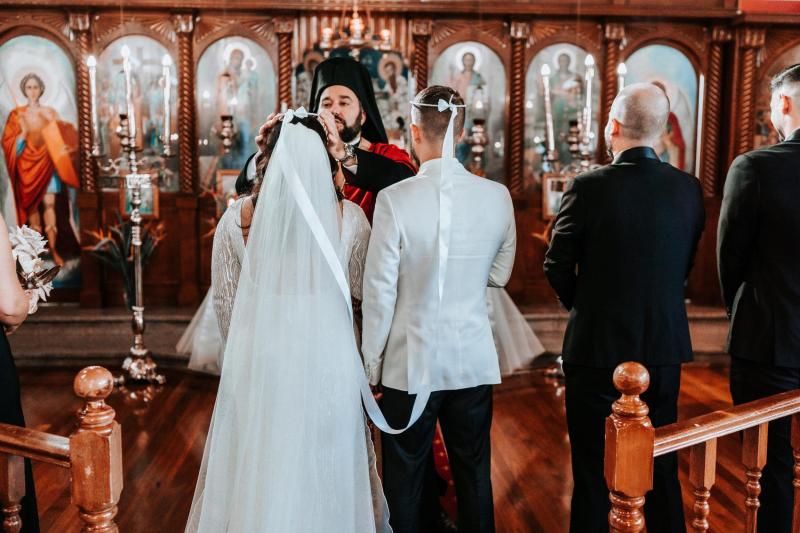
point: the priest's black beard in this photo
(349, 133)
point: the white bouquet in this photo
(27, 246)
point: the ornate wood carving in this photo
(546, 32)
(52, 22)
(12, 490)
(630, 440)
(494, 31)
(110, 26)
(80, 25)
(421, 34)
(209, 28)
(713, 112)
(613, 36)
(520, 32)
(184, 26)
(754, 457)
(284, 27)
(692, 39)
(750, 40)
(780, 40)
(795, 439)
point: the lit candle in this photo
(587, 110)
(622, 70)
(232, 103)
(166, 63)
(126, 67)
(91, 63)
(327, 37)
(548, 111)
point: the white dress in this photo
(517, 344)
(204, 338)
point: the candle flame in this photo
(166, 61)
(91, 62)
(589, 62)
(546, 70)
(622, 69)
(126, 52)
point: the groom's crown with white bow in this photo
(300, 112)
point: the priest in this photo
(342, 94)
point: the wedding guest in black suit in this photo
(758, 251)
(622, 247)
(13, 311)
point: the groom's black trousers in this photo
(466, 417)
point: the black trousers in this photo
(589, 395)
(466, 418)
(750, 381)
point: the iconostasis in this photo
(199, 84)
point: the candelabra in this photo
(139, 365)
(477, 140)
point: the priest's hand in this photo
(335, 143)
(261, 138)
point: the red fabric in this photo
(365, 199)
(676, 136)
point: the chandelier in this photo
(355, 35)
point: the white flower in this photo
(27, 246)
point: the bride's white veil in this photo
(287, 447)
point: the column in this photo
(613, 37)
(520, 31)
(421, 34)
(709, 173)
(284, 28)
(752, 39)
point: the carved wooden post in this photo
(713, 113)
(284, 28)
(796, 482)
(187, 148)
(79, 25)
(96, 453)
(12, 490)
(702, 473)
(421, 33)
(520, 30)
(630, 439)
(614, 35)
(752, 39)
(754, 457)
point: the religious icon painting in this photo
(569, 90)
(764, 133)
(149, 207)
(553, 188)
(226, 189)
(478, 74)
(236, 77)
(671, 70)
(39, 166)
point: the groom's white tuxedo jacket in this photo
(401, 280)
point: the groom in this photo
(404, 319)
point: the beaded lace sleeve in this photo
(226, 265)
(359, 232)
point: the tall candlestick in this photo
(91, 63)
(166, 63)
(587, 110)
(622, 70)
(548, 111)
(126, 67)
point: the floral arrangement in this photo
(27, 247)
(114, 247)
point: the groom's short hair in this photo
(429, 119)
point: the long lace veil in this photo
(286, 450)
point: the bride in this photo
(288, 449)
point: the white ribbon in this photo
(445, 223)
(300, 112)
(328, 251)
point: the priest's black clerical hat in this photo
(353, 75)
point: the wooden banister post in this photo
(796, 482)
(12, 489)
(630, 439)
(754, 457)
(96, 453)
(702, 473)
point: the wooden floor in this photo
(163, 440)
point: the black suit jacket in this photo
(622, 247)
(758, 253)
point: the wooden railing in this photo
(93, 454)
(632, 444)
